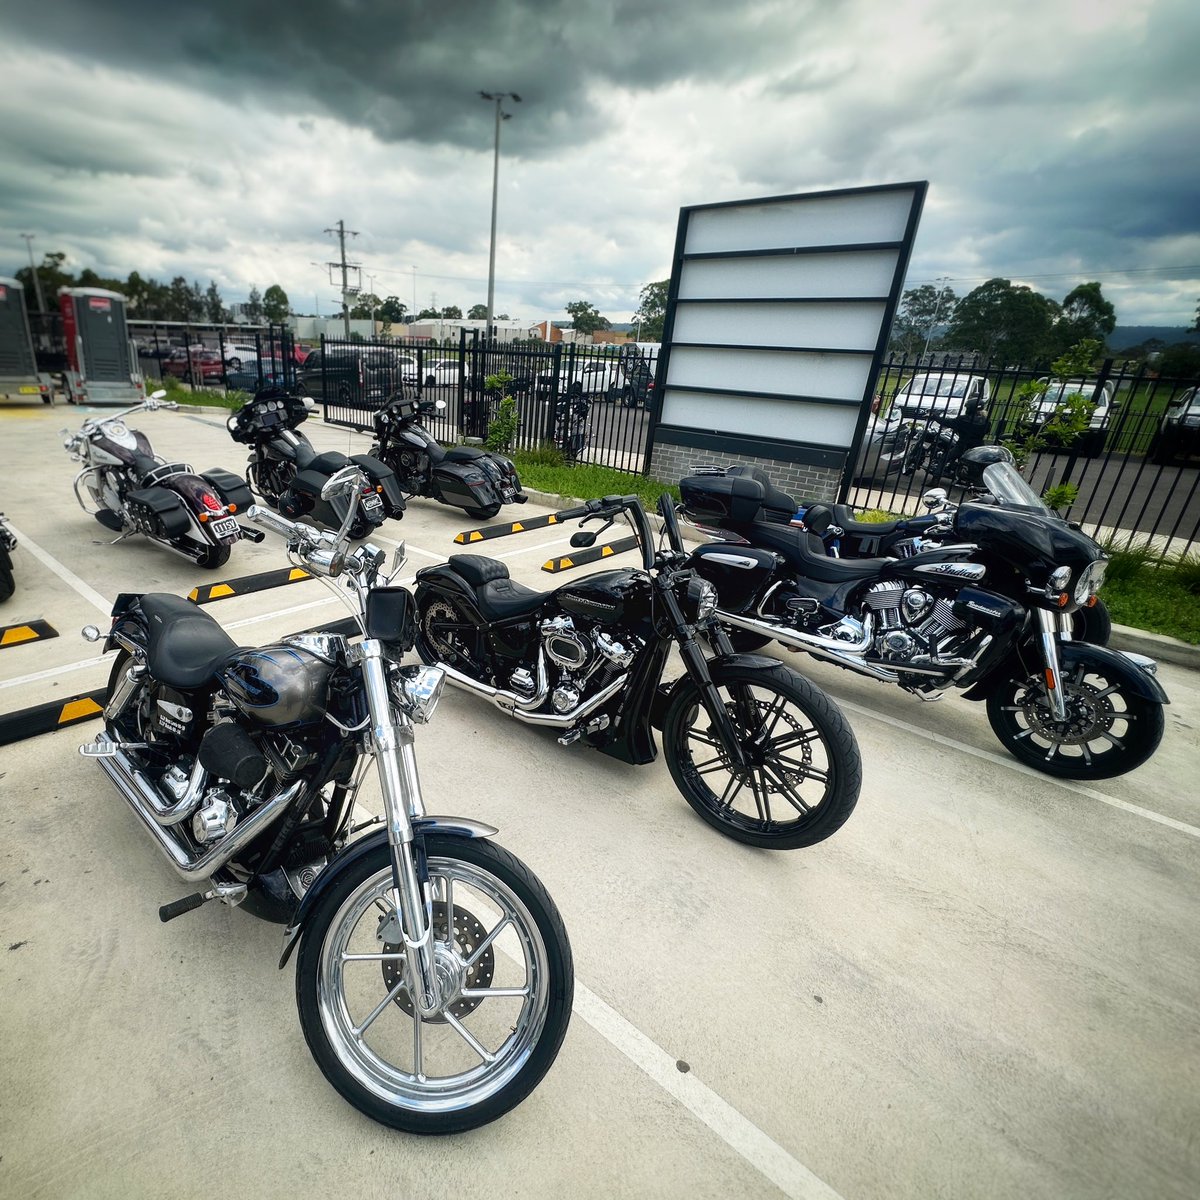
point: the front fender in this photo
(356, 852)
(1140, 683)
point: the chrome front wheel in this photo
(505, 981)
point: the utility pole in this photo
(37, 282)
(346, 268)
(498, 98)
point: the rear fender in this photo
(464, 485)
(128, 624)
(353, 855)
(443, 578)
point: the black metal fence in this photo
(1134, 465)
(589, 401)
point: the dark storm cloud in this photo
(412, 69)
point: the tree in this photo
(922, 309)
(1001, 321)
(585, 317)
(213, 304)
(366, 307)
(429, 314)
(1196, 323)
(254, 305)
(392, 310)
(1085, 315)
(652, 311)
(452, 312)
(275, 305)
(477, 312)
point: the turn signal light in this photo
(1091, 603)
(1063, 599)
(202, 517)
(233, 508)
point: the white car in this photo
(1091, 441)
(938, 395)
(598, 377)
(440, 372)
(238, 354)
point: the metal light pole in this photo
(498, 98)
(37, 282)
(937, 308)
(413, 315)
(371, 282)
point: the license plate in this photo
(225, 527)
(29, 391)
(509, 494)
(373, 506)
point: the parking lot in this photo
(984, 985)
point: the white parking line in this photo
(766, 1156)
(1001, 760)
(72, 580)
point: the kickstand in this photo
(128, 533)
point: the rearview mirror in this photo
(341, 483)
(585, 537)
(439, 405)
(157, 395)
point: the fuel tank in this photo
(610, 597)
(282, 685)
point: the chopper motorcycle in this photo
(475, 480)
(132, 490)
(845, 537)
(288, 473)
(758, 751)
(989, 614)
(433, 976)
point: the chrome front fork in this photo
(1049, 633)
(396, 764)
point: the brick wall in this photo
(671, 463)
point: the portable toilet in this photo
(19, 378)
(102, 367)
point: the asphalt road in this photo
(983, 986)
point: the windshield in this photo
(949, 385)
(1004, 482)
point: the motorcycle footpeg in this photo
(252, 535)
(109, 749)
(168, 912)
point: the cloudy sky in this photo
(219, 139)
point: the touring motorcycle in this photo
(132, 490)
(434, 976)
(8, 543)
(989, 614)
(467, 477)
(843, 536)
(757, 750)
(288, 473)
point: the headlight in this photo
(420, 689)
(1089, 581)
(1059, 578)
(701, 598)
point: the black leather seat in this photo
(497, 595)
(464, 454)
(143, 464)
(796, 546)
(186, 644)
(843, 515)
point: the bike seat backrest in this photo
(773, 497)
(477, 569)
(818, 518)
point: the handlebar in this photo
(611, 506)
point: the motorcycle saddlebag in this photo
(722, 497)
(231, 488)
(464, 485)
(380, 474)
(163, 509)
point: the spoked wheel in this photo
(505, 974)
(804, 771)
(441, 630)
(1109, 729)
(914, 455)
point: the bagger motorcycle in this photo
(133, 491)
(288, 473)
(759, 752)
(989, 614)
(845, 537)
(475, 480)
(434, 977)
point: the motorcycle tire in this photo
(815, 747)
(914, 456)
(1108, 732)
(262, 478)
(1092, 625)
(8, 584)
(482, 514)
(213, 557)
(360, 1023)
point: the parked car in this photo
(1091, 441)
(249, 378)
(1178, 434)
(195, 366)
(938, 395)
(237, 354)
(598, 378)
(362, 375)
(440, 372)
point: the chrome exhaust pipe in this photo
(794, 637)
(143, 798)
(513, 704)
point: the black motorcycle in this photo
(131, 490)
(757, 750)
(288, 473)
(8, 543)
(989, 613)
(843, 536)
(434, 976)
(572, 423)
(475, 480)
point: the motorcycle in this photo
(133, 490)
(8, 543)
(989, 614)
(288, 473)
(464, 476)
(741, 734)
(572, 426)
(845, 537)
(434, 976)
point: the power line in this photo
(1083, 271)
